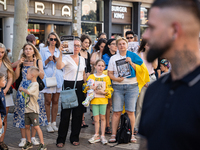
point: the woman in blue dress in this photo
(50, 55)
(29, 58)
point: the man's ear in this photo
(177, 30)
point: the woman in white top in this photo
(99, 47)
(69, 64)
(125, 88)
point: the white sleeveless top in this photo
(148, 65)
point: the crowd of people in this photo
(34, 108)
(98, 66)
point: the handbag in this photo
(39, 80)
(51, 81)
(68, 96)
(18, 81)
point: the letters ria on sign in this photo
(40, 8)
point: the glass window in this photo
(62, 30)
(92, 29)
(38, 31)
(143, 16)
(92, 10)
(143, 20)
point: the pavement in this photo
(13, 136)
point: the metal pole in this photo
(74, 14)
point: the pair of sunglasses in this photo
(129, 37)
(52, 39)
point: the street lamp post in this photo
(74, 14)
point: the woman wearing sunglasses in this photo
(50, 54)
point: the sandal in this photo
(135, 132)
(112, 139)
(133, 139)
(76, 143)
(60, 145)
(83, 125)
(108, 130)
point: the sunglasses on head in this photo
(130, 37)
(52, 39)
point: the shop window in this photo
(62, 30)
(92, 10)
(92, 29)
(38, 31)
(143, 20)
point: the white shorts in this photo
(51, 90)
(9, 100)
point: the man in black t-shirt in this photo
(170, 117)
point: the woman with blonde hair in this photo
(126, 89)
(6, 69)
(50, 55)
(30, 57)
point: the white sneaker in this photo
(22, 143)
(34, 141)
(53, 125)
(49, 128)
(103, 140)
(94, 139)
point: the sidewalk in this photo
(13, 136)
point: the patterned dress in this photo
(18, 119)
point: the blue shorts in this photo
(125, 93)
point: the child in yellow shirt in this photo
(100, 101)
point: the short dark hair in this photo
(102, 33)
(130, 32)
(192, 6)
(30, 38)
(85, 36)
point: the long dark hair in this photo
(106, 48)
(96, 47)
(142, 46)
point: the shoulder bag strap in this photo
(76, 76)
(54, 73)
(77, 73)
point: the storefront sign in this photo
(121, 13)
(40, 7)
(3, 3)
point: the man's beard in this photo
(156, 52)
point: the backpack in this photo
(124, 132)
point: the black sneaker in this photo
(42, 147)
(3, 146)
(27, 146)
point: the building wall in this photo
(48, 17)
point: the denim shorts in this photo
(125, 93)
